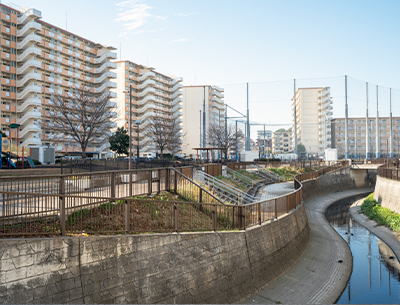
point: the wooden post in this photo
(176, 183)
(62, 205)
(127, 215)
(201, 196)
(167, 173)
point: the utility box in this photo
(248, 155)
(331, 155)
(44, 154)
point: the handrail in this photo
(203, 189)
(240, 176)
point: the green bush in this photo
(381, 215)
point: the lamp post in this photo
(137, 122)
(130, 124)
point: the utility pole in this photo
(204, 118)
(367, 156)
(248, 122)
(200, 128)
(346, 122)
(391, 124)
(295, 117)
(236, 150)
(377, 144)
(264, 143)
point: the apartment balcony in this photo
(176, 94)
(35, 114)
(29, 51)
(147, 91)
(145, 108)
(148, 82)
(106, 55)
(29, 102)
(177, 100)
(111, 105)
(145, 116)
(29, 89)
(176, 80)
(147, 99)
(29, 38)
(28, 128)
(176, 108)
(106, 75)
(176, 87)
(32, 25)
(217, 93)
(146, 75)
(29, 14)
(107, 65)
(104, 86)
(29, 64)
(176, 114)
(29, 77)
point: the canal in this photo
(376, 272)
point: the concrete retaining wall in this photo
(339, 180)
(387, 192)
(223, 267)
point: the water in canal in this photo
(376, 272)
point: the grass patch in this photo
(381, 215)
(232, 182)
(250, 175)
(285, 173)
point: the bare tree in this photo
(83, 116)
(165, 133)
(228, 139)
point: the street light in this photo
(130, 124)
(137, 122)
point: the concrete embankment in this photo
(222, 267)
(387, 192)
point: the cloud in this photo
(134, 14)
(182, 40)
(184, 15)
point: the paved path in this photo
(318, 277)
(275, 190)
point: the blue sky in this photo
(229, 43)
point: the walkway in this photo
(323, 271)
(275, 190)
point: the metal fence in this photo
(316, 174)
(389, 171)
(67, 204)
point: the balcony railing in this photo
(30, 25)
(30, 13)
(29, 51)
(30, 37)
(146, 75)
(28, 77)
(104, 56)
(28, 64)
(29, 89)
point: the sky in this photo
(264, 43)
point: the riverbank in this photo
(392, 239)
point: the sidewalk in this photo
(322, 273)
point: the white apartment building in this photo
(39, 60)
(195, 99)
(313, 118)
(153, 93)
(282, 141)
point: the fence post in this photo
(159, 180)
(61, 166)
(90, 165)
(259, 213)
(201, 196)
(62, 205)
(113, 184)
(176, 214)
(149, 181)
(167, 173)
(176, 183)
(276, 209)
(131, 183)
(127, 214)
(214, 217)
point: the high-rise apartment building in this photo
(313, 118)
(39, 60)
(153, 94)
(203, 106)
(282, 141)
(360, 137)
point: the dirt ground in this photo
(39, 170)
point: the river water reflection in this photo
(376, 272)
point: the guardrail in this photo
(385, 171)
(316, 174)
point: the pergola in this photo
(208, 149)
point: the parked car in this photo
(144, 159)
